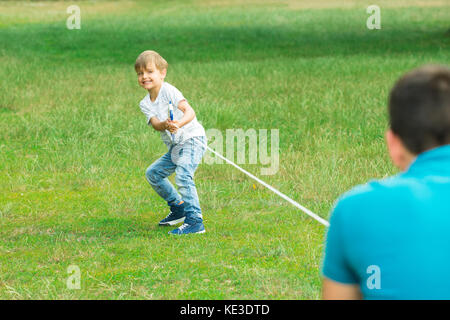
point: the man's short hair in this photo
(419, 108)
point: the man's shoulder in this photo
(376, 193)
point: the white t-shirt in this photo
(160, 109)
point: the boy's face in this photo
(150, 76)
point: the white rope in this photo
(282, 195)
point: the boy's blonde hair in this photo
(150, 56)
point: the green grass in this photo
(74, 145)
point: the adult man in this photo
(390, 239)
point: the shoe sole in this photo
(173, 222)
(185, 234)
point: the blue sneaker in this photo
(189, 228)
(175, 216)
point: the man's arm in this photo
(332, 290)
(340, 281)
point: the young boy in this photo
(185, 138)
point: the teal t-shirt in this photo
(392, 236)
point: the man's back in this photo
(392, 236)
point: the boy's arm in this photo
(158, 125)
(189, 114)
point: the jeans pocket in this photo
(198, 150)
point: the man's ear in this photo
(164, 73)
(401, 157)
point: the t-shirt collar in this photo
(159, 94)
(436, 159)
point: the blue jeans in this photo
(183, 159)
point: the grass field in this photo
(74, 145)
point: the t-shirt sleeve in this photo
(147, 111)
(335, 263)
(175, 96)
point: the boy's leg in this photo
(192, 152)
(157, 174)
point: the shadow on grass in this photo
(101, 43)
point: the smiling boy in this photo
(184, 137)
